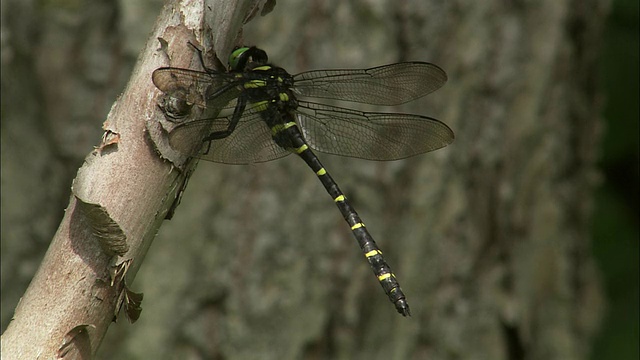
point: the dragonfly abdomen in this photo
(380, 268)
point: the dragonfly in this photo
(256, 112)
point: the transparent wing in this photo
(205, 89)
(367, 135)
(250, 142)
(392, 84)
(330, 129)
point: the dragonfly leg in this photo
(235, 118)
(201, 57)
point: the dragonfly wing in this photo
(187, 138)
(212, 90)
(250, 142)
(392, 84)
(367, 135)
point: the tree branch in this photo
(121, 195)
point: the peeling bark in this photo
(122, 193)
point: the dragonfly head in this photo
(241, 57)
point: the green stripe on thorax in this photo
(254, 84)
(260, 105)
(262, 68)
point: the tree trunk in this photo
(488, 237)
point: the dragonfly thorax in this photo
(270, 86)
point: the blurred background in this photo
(518, 241)
(616, 210)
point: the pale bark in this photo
(120, 196)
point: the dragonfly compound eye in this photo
(240, 57)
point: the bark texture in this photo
(488, 237)
(120, 196)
